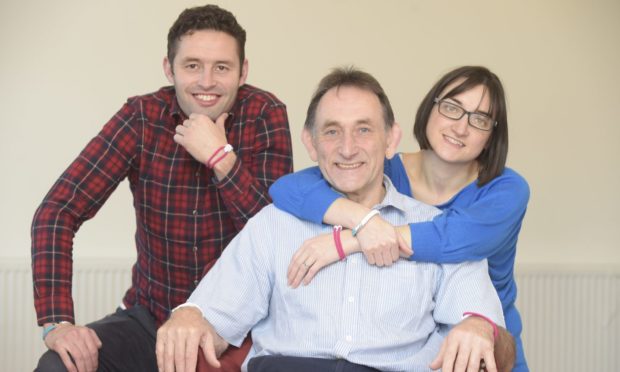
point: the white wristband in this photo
(364, 221)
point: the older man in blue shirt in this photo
(353, 316)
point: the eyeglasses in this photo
(456, 112)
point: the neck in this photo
(369, 199)
(444, 178)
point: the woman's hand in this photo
(381, 242)
(320, 251)
(315, 254)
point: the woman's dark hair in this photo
(492, 159)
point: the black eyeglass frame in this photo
(439, 101)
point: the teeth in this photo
(205, 97)
(349, 166)
(454, 141)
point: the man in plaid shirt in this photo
(199, 156)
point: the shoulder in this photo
(412, 210)
(155, 105)
(165, 95)
(271, 217)
(511, 180)
(508, 189)
(249, 94)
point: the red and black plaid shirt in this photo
(185, 216)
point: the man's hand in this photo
(466, 345)
(75, 342)
(179, 338)
(200, 136)
(314, 254)
(381, 243)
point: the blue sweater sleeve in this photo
(478, 223)
(304, 194)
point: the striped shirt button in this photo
(349, 338)
(351, 299)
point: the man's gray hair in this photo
(349, 77)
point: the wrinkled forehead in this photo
(349, 105)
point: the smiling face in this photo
(350, 141)
(455, 141)
(206, 72)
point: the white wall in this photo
(67, 66)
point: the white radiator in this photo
(98, 286)
(571, 317)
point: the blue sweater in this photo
(477, 223)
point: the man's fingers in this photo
(489, 361)
(179, 354)
(449, 357)
(221, 119)
(436, 364)
(209, 350)
(191, 354)
(77, 349)
(169, 356)
(160, 350)
(92, 345)
(463, 358)
(66, 360)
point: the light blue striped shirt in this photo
(392, 318)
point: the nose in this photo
(206, 78)
(461, 126)
(348, 146)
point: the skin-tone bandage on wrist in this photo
(364, 221)
(338, 241)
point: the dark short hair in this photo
(207, 17)
(350, 77)
(492, 159)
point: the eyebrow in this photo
(477, 111)
(198, 60)
(332, 123)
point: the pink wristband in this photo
(213, 156)
(495, 329)
(227, 148)
(337, 230)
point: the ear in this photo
(244, 72)
(394, 136)
(168, 70)
(308, 141)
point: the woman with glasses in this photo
(462, 129)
